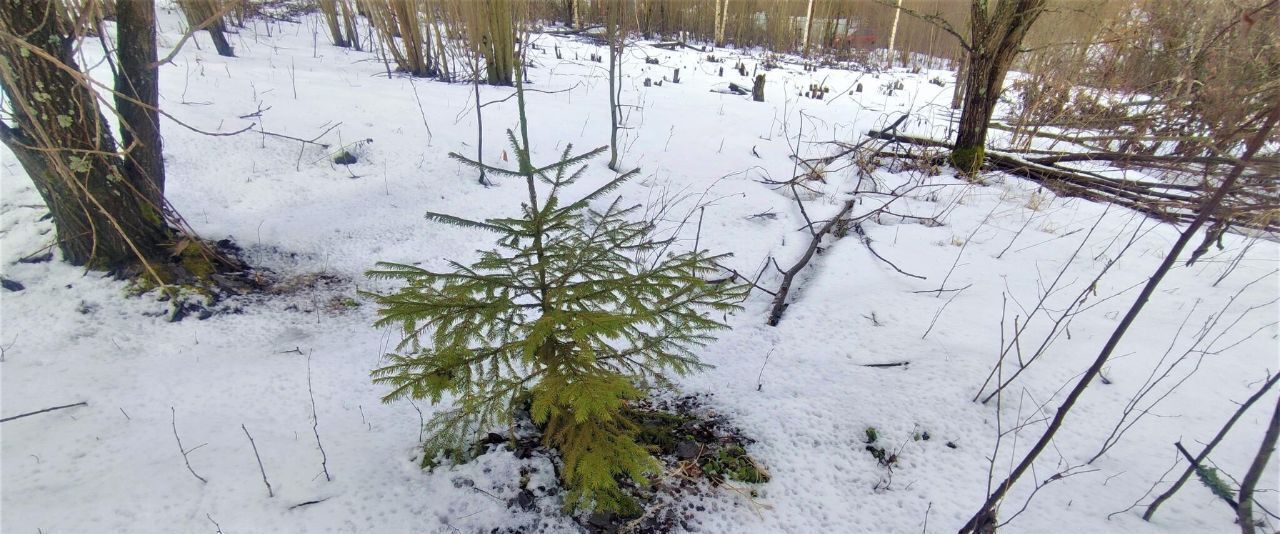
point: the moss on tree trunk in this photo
(104, 215)
(994, 37)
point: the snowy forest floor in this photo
(802, 389)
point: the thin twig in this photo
(308, 503)
(311, 141)
(866, 240)
(215, 523)
(174, 421)
(939, 314)
(315, 423)
(760, 377)
(261, 469)
(886, 365)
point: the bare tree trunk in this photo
(426, 12)
(198, 12)
(571, 13)
(443, 71)
(103, 217)
(475, 86)
(406, 15)
(808, 26)
(1250, 481)
(350, 24)
(220, 42)
(138, 96)
(893, 31)
(613, 32)
(962, 73)
(330, 10)
(499, 47)
(722, 8)
(994, 41)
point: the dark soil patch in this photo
(697, 448)
(216, 279)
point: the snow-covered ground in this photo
(800, 389)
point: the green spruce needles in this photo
(562, 318)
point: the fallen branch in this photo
(674, 45)
(1195, 465)
(20, 416)
(1167, 202)
(583, 32)
(1204, 453)
(849, 149)
(1125, 157)
(788, 276)
(308, 503)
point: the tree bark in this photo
(808, 27)
(994, 41)
(330, 10)
(417, 62)
(722, 6)
(1250, 481)
(217, 33)
(962, 74)
(893, 31)
(199, 11)
(613, 23)
(104, 219)
(138, 96)
(499, 42)
(349, 22)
